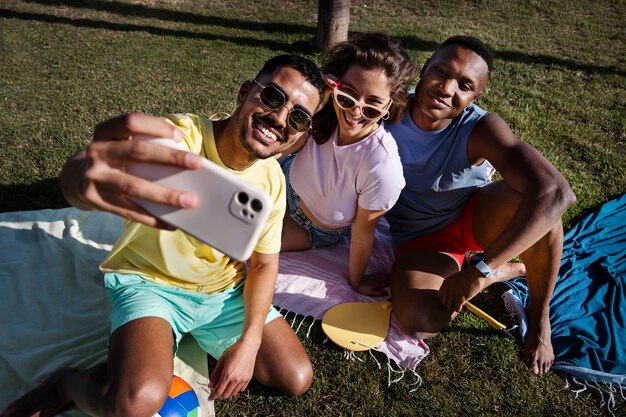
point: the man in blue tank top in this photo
(448, 147)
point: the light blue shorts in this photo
(214, 320)
(318, 236)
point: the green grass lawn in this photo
(559, 80)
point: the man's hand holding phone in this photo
(137, 169)
(96, 178)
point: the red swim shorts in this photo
(456, 238)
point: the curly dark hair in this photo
(371, 51)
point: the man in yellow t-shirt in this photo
(164, 283)
(173, 257)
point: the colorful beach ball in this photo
(181, 401)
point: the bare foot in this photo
(538, 351)
(46, 400)
(508, 271)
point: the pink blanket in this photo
(310, 282)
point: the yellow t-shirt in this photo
(174, 257)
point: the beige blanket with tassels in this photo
(54, 310)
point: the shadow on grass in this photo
(295, 47)
(176, 16)
(413, 43)
(41, 195)
(139, 10)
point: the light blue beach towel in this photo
(588, 308)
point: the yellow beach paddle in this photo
(357, 326)
(360, 326)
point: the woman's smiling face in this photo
(368, 86)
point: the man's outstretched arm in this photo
(96, 178)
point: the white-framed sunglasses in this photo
(347, 102)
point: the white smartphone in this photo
(230, 214)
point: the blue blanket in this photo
(588, 308)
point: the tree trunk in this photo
(333, 19)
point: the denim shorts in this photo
(214, 320)
(319, 236)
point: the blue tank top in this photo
(439, 177)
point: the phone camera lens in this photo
(242, 197)
(257, 205)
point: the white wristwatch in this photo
(478, 261)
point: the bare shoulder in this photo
(493, 127)
(490, 139)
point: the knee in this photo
(143, 400)
(422, 324)
(299, 380)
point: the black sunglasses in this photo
(274, 98)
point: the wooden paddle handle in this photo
(490, 320)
